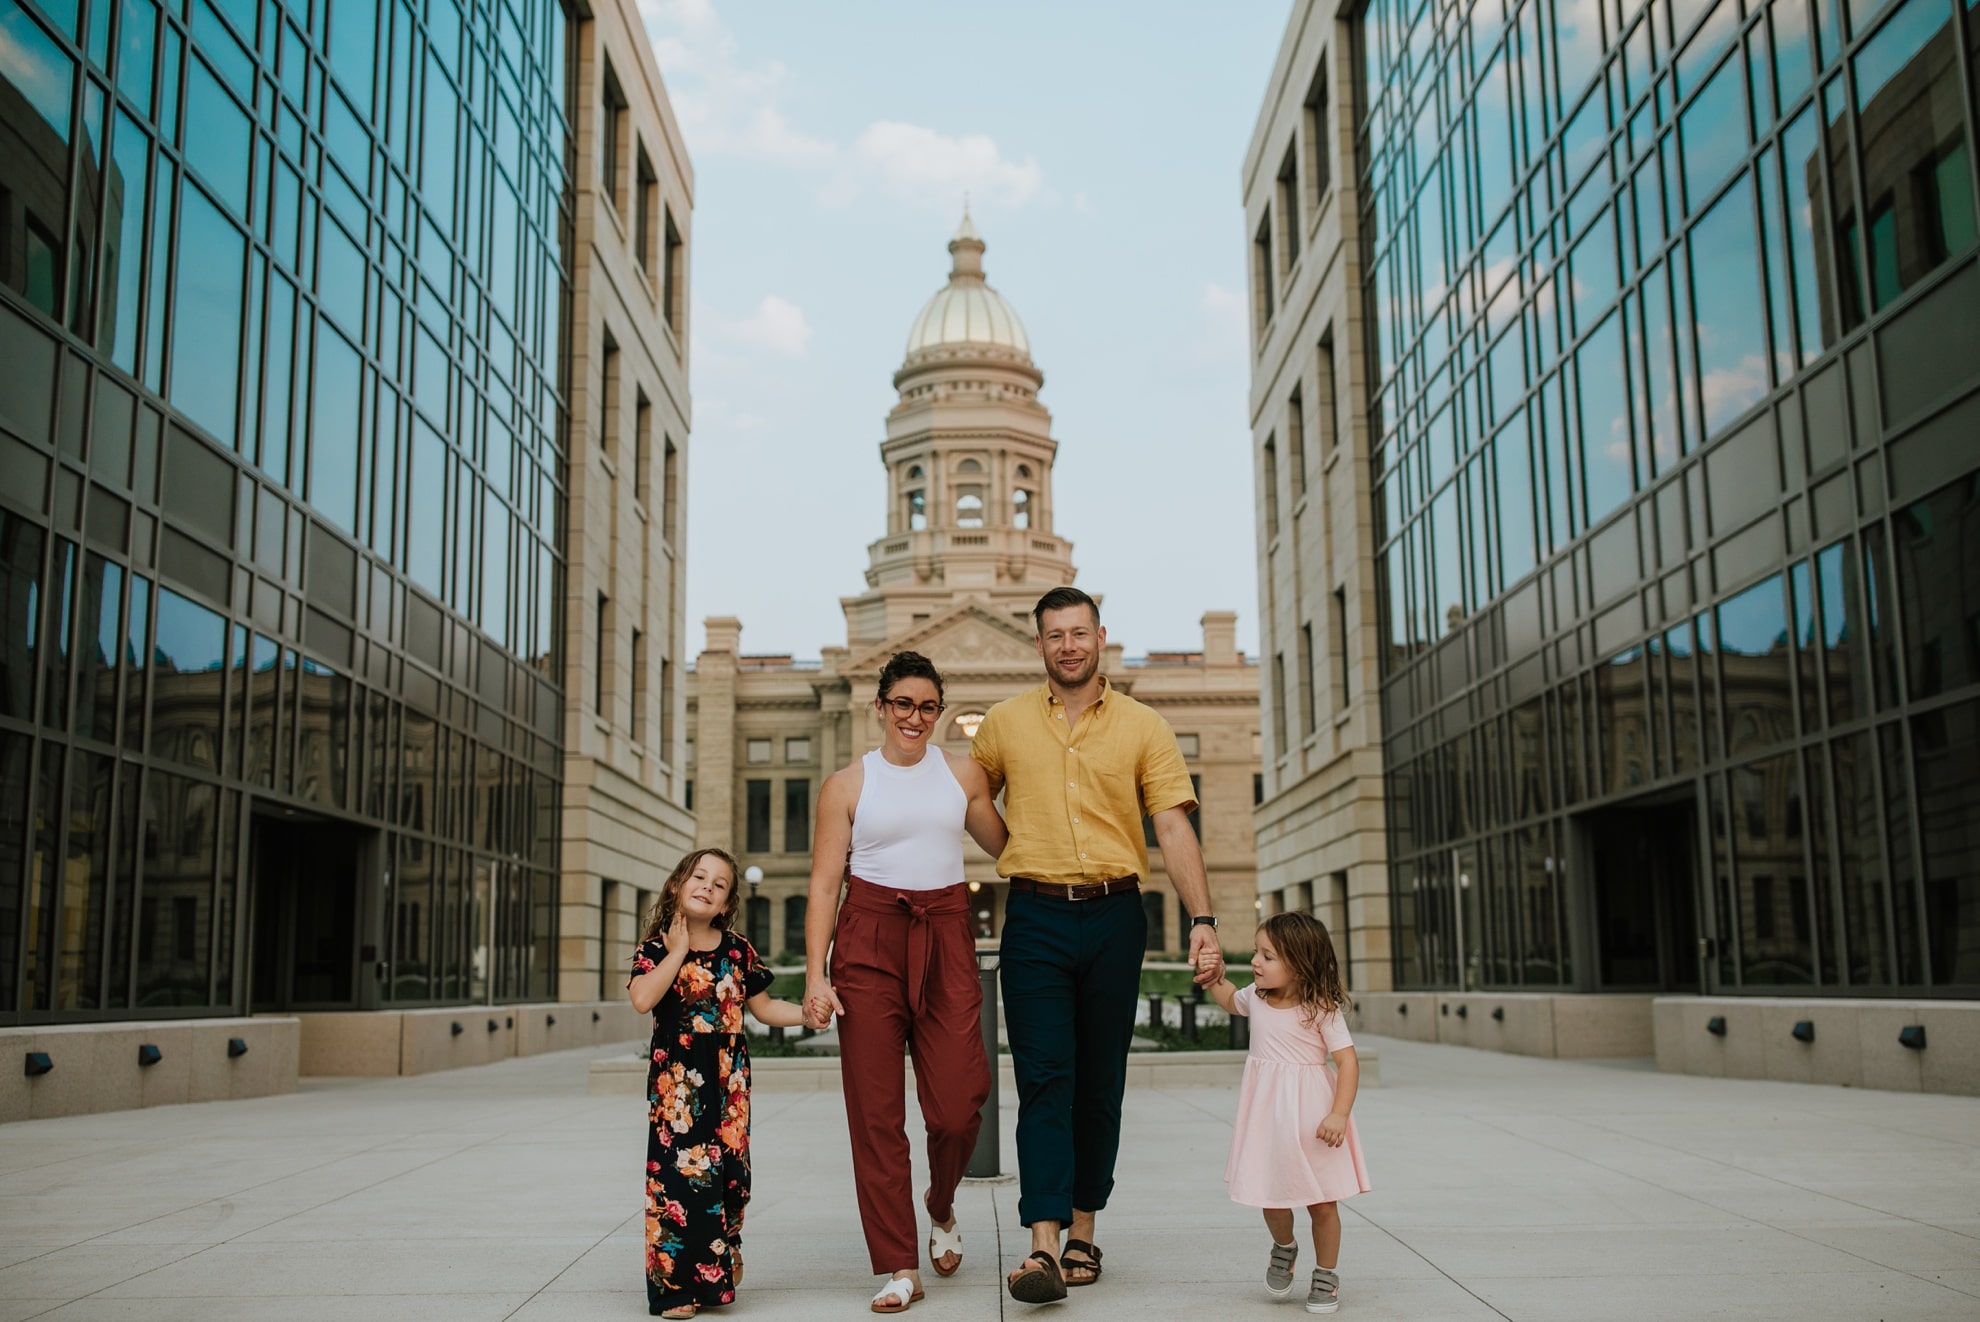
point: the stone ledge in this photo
(376, 1043)
(1561, 1025)
(97, 1069)
(622, 1076)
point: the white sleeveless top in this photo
(908, 824)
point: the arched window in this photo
(1021, 508)
(969, 507)
(914, 472)
(1024, 470)
(917, 510)
(969, 466)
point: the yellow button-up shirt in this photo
(1074, 798)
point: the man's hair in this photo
(1059, 599)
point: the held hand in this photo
(1205, 956)
(1333, 1130)
(820, 1004)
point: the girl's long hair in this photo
(1308, 954)
(661, 916)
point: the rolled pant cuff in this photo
(1045, 1209)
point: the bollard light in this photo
(1716, 1025)
(1803, 1030)
(38, 1064)
(236, 1048)
(149, 1055)
(1913, 1036)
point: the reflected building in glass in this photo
(1672, 380)
(293, 425)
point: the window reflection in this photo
(1754, 660)
(1770, 880)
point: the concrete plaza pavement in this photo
(1505, 1188)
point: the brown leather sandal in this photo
(1088, 1261)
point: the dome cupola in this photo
(967, 314)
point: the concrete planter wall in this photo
(388, 1042)
(1855, 1042)
(96, 1066)
(1522, 1023)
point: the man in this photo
(1079, 763)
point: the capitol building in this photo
(970, 544)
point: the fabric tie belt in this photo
(917, 907)
(1078, 890)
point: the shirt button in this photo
(1082, 856)
(1076, 823)
(1071, 786)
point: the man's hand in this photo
(820, 1004)
(1333, 1130)
(1205, 955)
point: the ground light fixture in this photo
(1716, 1025)
(1913, 1036)
(38, 1064)
(1804, 1030)
(1498, 1014)
(236, 1048)
(458, 1030)
(149, 1055)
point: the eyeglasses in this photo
(904, 708)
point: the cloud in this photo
(921, 164)
(777, 326)
(728, 106)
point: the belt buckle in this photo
(1073, 895)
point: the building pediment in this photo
(965, 637)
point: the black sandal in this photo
(1042, 1284)
(1091, 1255)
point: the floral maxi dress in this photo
(697, 1147)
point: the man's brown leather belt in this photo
(1079, 890)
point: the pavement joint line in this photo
(1746, 1217)
(561, 1271)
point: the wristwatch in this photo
(1204, 920)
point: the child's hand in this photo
(677, 932)
(1333, 1130)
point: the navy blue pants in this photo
(1071, 974)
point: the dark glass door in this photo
(1646, 914)
(306, 898)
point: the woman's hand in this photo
(1333, 1130)
(820, 1003)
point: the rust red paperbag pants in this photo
(904, 966)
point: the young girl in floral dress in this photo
(695, 975)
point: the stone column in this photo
(715, 735)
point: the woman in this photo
(902, 973)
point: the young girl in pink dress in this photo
(1295, 1144)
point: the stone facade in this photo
(625, 814)
(1320, 828)
(969, 548)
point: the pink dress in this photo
(1277, 1158)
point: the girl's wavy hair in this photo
(1308, 954)
(661, 916)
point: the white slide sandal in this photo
(942, 1243)
(896, 1295)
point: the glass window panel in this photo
(1882, 633)
(85, 883)
(1842, 626)
(1911, 131)
(1604, 418)
(55, 690)
(1946, 765)
(1446, 576)
(123, 237)
(1859, 861)
(220, 143)
(1753, 646)
(1938, 564)
(206, 350)
(1712, 130)
(180, 833)
(38, 71)
(1515, 496)
(335, 432)
(340, 276)
(1801, 592)
(1732, 366)
(1770, 880)
(137, 35)
(1794, 65)
(353, 47)
(1594, 275)
(190, 650)
(324, 729)
(1665, 411)
(1824, 882)
(103, 612)
(1577, 45)
(20, 598)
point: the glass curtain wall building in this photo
(1673, 365)
(282, 431)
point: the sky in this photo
(1100, 145)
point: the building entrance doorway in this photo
(1645, 896)
(307, 915)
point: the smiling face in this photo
(1267, 972)
(705, 893)
(908, 714)
(1070, 641)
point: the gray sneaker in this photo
(1278, 1272)
(1325, 1296)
